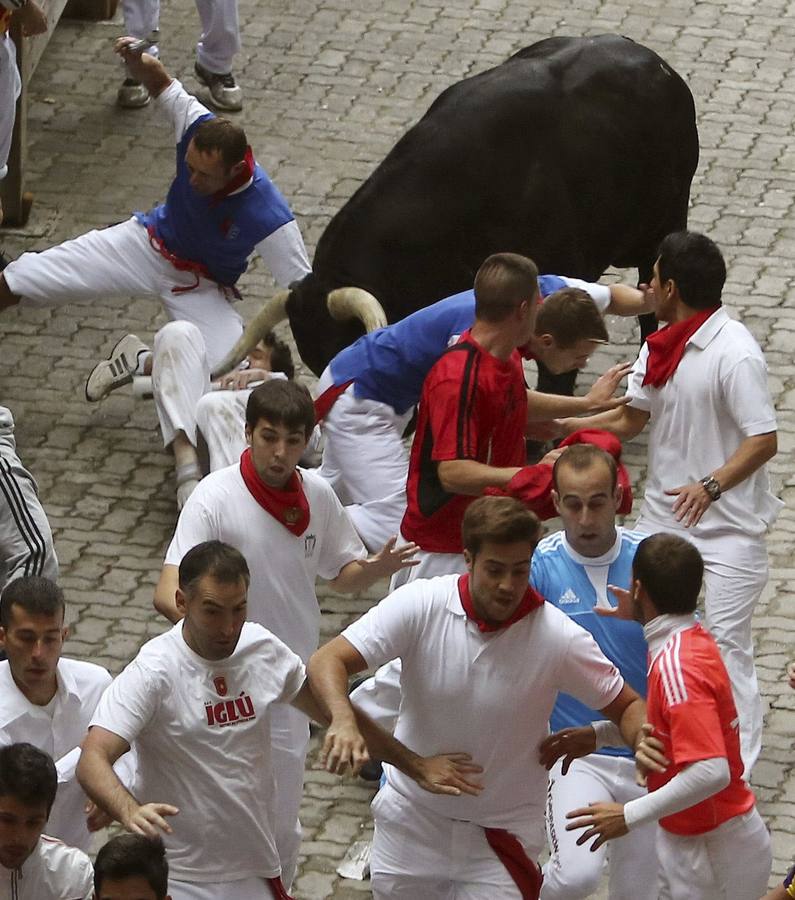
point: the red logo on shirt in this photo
(220, 685)
(230, 712)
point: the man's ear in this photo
(555, 499)
(2, 636)
(248, 434)
(181, 600)
(237, 169)
(618, 495)
(468, 559)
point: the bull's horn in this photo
(356, 303)
(273, 312)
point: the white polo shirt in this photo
(57, 729)
(202, 730)
(52, 872)
(717, 397)
(283, 567)
(486, 694)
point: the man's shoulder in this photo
(219, 484)
(85, 675)
(551, 546)
(65, 871)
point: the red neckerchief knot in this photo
(288, 506)
(244, 175)
(531, 600)
(667, 347)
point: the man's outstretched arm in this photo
(143, 67)
(351, 733)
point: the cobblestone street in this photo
(329, 87)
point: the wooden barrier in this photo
(16, 200)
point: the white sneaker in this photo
(224, 89)
(117, 370)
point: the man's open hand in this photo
(604, 821)
(570, 743)
(447, 773)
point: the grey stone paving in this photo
(329, 87)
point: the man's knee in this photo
(178, 335)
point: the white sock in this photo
(140, 363)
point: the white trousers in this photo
(731, 862)
(221, 418)
(220, 39)
(735, 574)
(430, 565)
(419, 855)
(246, 889)
(119, 262)
(575, 872)
(366, 462)
(10, 86)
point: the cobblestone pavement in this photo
(329, 87)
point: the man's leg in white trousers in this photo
(246, 889)
(735, 574)
(10, 86)
(109, 262)
(430, 565)
(417, 853)
(141, 18)
(289, 744)
(379, 696)
(366, 462)
(731, 862)
(180, 377)
(220, 39)
(221, 418)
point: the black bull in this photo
(577, 152)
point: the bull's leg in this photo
(647, 322)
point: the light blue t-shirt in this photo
(389, 365)
(576, 584)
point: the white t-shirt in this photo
(203, 736)
(489, 695)
(56, 729)
(717, 397)
(283, 567)
(52, 872)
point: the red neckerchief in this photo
(531, 600)
(525, 873)
(328, 398)
(667, 346)
(246, 173)
(289, 506)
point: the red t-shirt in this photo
(473, 406)
(691, 707)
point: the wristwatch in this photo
(711, 486)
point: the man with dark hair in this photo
(48, 700)
(131, 867)
(292, 529)
(483, 660)
(32, 865)
(702, 384)
(202, 698)
(571, 569)
(712, 842)
(189, 251)
(369, 391)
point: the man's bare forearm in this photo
(101, 784)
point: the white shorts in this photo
(575, 872)
(419, 855)
(731, 862)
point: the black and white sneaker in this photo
(224, 89)
(117, 370)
